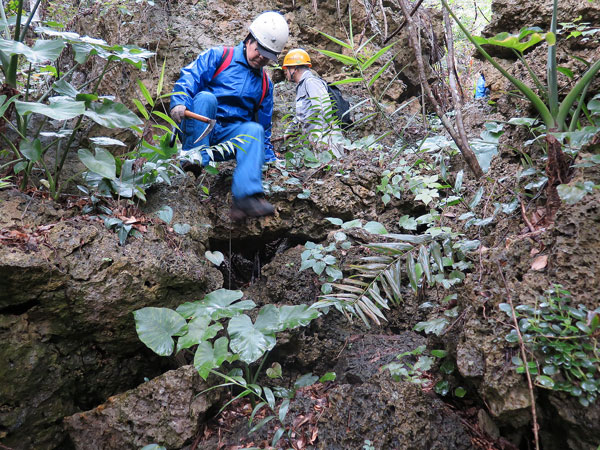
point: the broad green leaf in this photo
(199, 329)
(407, 222)
(165, 213)
(112, 115)
(156, 328)
(357, 223)
(43, 51)
(545, 381)
(411, 271)
(329, 376)
(516, 41)
(217, 304)
(570, 194)
(107, 141)
(215, 257)
(277, 436)
(208, 357)
(268, 320)
(274, 371)
(375, 228)
(182, 228)
(283, 409)
(435, 326)
(308, 379)
(460, 392)
(103, 163)
(247, 341)
(270, 397)
(477, 198)
(334, 220)
(65, 88)
(58, 108)
(31, 150)
(291, 317)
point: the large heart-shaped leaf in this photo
(208, 357)
(112, 115)
(43, 51)
(248, 342)
(218, 304)
(58, 108)
(156, 328)
(103, 163)
(295, 316)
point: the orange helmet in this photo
(296, 57)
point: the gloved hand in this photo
(177, 113)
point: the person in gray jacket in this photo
(314, 108)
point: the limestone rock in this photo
(165, 410)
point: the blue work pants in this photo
(247, 177)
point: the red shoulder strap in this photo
(225, 60)
(265, 86)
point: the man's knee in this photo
(204, 102)
(253, 129)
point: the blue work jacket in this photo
(238, 89)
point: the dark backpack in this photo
(341, 105)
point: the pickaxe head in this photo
(210, 123)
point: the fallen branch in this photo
(463, 146)
(524, 358)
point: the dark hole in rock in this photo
(248, 255)
(19, 309)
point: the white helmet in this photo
(271, 31)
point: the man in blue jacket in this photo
(229, 84)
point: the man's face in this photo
(288, 74)
(255, 59)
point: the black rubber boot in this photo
(252, 206)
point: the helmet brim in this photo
(265, 52)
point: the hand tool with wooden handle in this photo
(211, 124)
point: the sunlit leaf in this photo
(156, 328)
(58, 108)
(43, 51)
(112, 115)
(103, 163)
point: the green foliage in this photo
(405, 261)
(198, 324)
(417, 372)
(546, 104)
(318, 258)
(564, 341)
(56, 98)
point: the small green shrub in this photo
(564, 341)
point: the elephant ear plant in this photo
(55, 97)
(557, 117)
(218, 331)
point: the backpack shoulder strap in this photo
(225, 61)
(265, 86)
